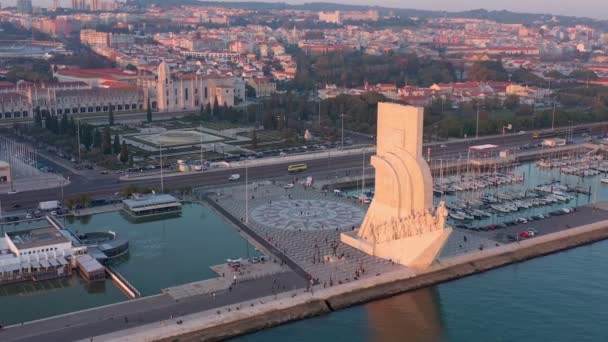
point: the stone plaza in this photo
(305, 223)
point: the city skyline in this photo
(583, 8)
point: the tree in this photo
(149, 111)
(584, 75)
(97, 139)
(84, 200)
(487, 71)
(208, 112)
(124, 153)
(511, 102)
(116, 146)
(106, 141)
(215, 106)
(64, 126)
(37, 117)
(131, 162)
(254, 139)
(129, 190)
(111, 117)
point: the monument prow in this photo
(401, 224)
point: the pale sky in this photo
(589, 8)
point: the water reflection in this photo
(413, 316)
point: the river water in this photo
(560, 297)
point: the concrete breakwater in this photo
(212, 326)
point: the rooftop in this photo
(150, 200)
(32, 238)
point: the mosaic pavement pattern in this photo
(319, 251)
(300, 214)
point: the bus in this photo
(297, 168)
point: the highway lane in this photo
(107, 186)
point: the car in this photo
(443, 145)
(289, 186)
(12, 192)
(28, 216)
(524, 235)
(533, 230)
(103, 172)
(234, 177)
(530, 232)
(53, 213)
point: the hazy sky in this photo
(589, 8)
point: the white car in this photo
(234, 177)
(289, 186)
(54, 213)
(443, 145)
(12, 192)
(28, 216)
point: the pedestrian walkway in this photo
(228, 276)
(294, 222)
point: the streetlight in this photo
(342, 119)
(363, 172)
(78, 131)
(246, 192)
(477, 123)
(201, 147)
(553, 117)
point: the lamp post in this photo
(201, 147)
(78, 131)
(342, 120)
(160, 151)
(363, 172)
(477, 123)
(246, 192)
(553, 117)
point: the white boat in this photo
(458, 217)
(604, 180)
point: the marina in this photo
(506, 198)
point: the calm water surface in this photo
(561, 297)
(162, 254)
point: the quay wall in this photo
(251, 323)
(208, 328)
(475, 263)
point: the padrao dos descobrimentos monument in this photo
(402, 223)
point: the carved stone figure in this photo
(441, 213)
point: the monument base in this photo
(416, 251)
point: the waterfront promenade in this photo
(97, 321)
(271, 311)
(156, 316)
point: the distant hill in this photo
(503, 16)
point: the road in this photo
(104, 186)
(103, 320)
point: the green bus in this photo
(297, 168)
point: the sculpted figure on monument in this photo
(441, 213)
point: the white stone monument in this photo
(401, 224)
